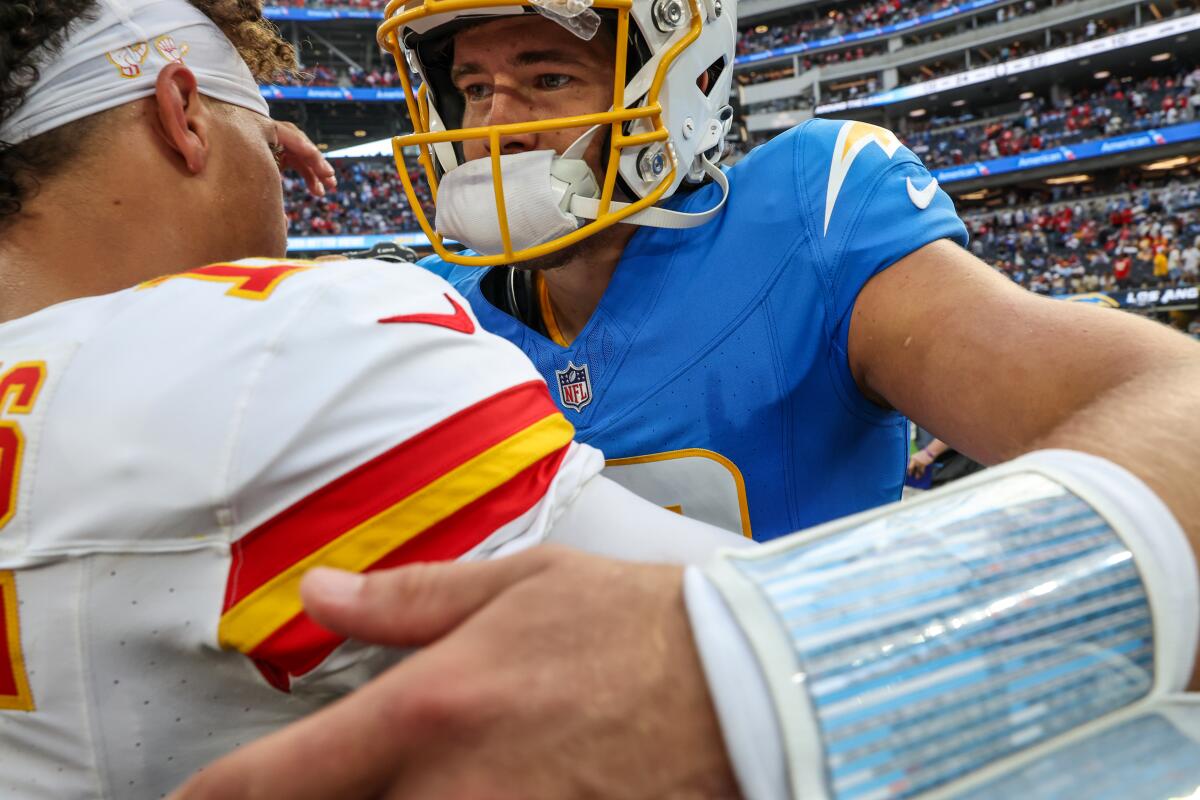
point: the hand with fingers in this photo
(298, 153)
(550, 674)
(918, 462)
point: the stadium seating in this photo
(1118, 107)
(369, 199)
(1095, 244)
(814, 26)
(779, 36)
(333, 75)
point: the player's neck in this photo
(576, 288)
(91, 238)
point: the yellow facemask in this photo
(637, 131)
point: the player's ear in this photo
(183, 119)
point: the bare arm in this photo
(1004, 372)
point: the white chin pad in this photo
(466, 203)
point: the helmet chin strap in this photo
(582, 197)
(655, 217)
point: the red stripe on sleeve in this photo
(301, 644)
(8, 667)
(379, 484)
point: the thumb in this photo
(413, 605)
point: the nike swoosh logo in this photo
(921, 199)
(458, 321)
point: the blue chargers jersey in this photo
(713, 374)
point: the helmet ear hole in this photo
(637, 50)
(436, 55)
(708, 80)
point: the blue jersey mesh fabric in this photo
(731, 338)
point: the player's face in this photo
(251, 197)
(530, 68)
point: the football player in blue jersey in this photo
(745, 344)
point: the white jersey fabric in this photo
(184, 450)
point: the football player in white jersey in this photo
(183, 436)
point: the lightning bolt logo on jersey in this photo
(719, 383)
(852, 138)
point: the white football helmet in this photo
(668, 125)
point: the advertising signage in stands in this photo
(1154, 137)
(869, 33)
(1173, 297)
(319, 14)
(1117, 41)
(336, 94)
(302, 244)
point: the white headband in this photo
(115, 59)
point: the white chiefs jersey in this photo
(175, 456)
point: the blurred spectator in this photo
(343, 75)
(1114, 109)
(1190, 263)
(814, 25)
(957, 61)
(837, 22)
(1098, 244)
(936, 463)
(370, 199)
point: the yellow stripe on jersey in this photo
(15, 694)
(260, 613)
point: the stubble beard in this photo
(581, 252)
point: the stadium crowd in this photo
(1140, 238)
(861, 17)
(369, 199)
(959, 61)
(343, 75)
(1118, 107)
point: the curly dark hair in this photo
(32, 29)
(257, 39)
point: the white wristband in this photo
(909, 646)
(739, 691)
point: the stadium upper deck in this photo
(826, 26)
(1058, 33)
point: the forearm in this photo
(608, 520)
(936, 448)
(1151, 426)
(1005, 372)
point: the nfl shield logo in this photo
(574, 386)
